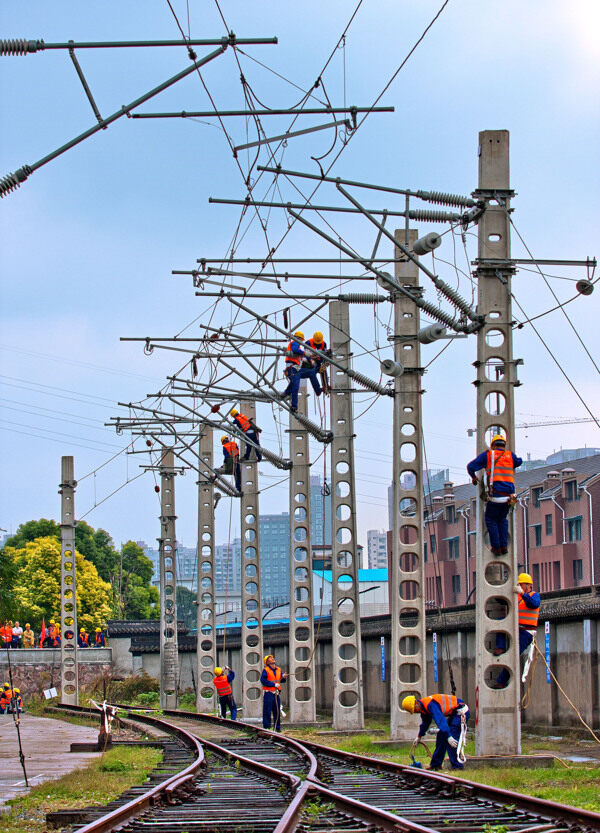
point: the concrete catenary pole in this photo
(302, 679)
(252, 643)
(167, 548)
(69, 682)
(345, 610)
(499, 725)
(408, 668)
(205, 599)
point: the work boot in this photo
(434, 768)
(496, 551)
(503, 550)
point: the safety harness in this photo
(462, 740)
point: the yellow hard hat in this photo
(17, 690)
(318, 337)
(218, 672)
(27, 625)
(498, 438)
(268, 657)
(299, 334)
(224, 439)
(233, 412)
(6, 685)
(408, 704)
(81, 630)
(51, 622)
(524, 578)
(98, 630)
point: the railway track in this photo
(249, 780)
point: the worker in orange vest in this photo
(6, 695)
(99, 639)
(450, 714)
(529, 611)
(6, 635)
(83, 640)
(271, 679)
(222, 682)
(250, 430)
(499, 464)
(231, 461)
(294, 356)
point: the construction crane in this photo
(471, 431)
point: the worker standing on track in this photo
(450, 714)
(231, 461)
(250, 430)
(529, 611)
(28, 637)
(499, 464)
(294, 356)
(271, 679)
(222, 682)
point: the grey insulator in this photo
(392, 368)
(431, 333)
(584, 287)
(383, 283)
(428, 243)
(19, 46)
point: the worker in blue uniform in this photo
(450, 715)
(296, 369)
(271, 679)
(311, 364)
(499, 464)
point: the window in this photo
(425, 551)
(548, 524)
(453, 549)
(456, 586)
(450, 514)
(577, 570)
(432, 541)
(574, 529)
(535, 496)
(571, 492)
(537, 533)
(536, 576)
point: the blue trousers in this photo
(311, 374)
(227, 702)
(441, 744)
(293, 375)
(251, 433)
(271, 708)
(525, 640)
(496, 521)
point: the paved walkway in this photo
(46, 745)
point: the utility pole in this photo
(345, 600)
(301, 683)
(498, 715)
(252, 643)
(167, 547)
(408, 666)
(206, 635)
(69, 682)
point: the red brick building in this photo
(557, 528)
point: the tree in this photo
(36, 587)
(186, 606)
(138, 599)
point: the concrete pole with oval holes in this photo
(206, 640)
(167, 549)
(69, 684)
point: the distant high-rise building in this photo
(228, 566)
(320, 512)
(377, 549)
(275, 558)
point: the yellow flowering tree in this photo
(36, 588)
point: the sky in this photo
(91, 238)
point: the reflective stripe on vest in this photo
(528, 617)
(293, 358)
(500, 466)
(446, 702)
(273, 677)
(243, 421)
(232, 449)
(222, 686)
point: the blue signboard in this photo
(547, 649)
(435, 673)
(382, 659)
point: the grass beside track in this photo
(575, 784)
(102, 781)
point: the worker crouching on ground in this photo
(251, 431)
(231, 461)
(450, 714)
(222, 682)
(499, 464)
(271, 679)
(529, 611)
(6, 695)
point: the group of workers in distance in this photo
(11, 701)
(271, 679)
(13, 636)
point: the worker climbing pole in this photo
(167, 548)
(497, 717)
(345, 610)
(69, 684)
(301, 677)
(206, 656)
(252, 648)
(408, 668)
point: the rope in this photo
(528, 671)
(227, 581)
(566, 696)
